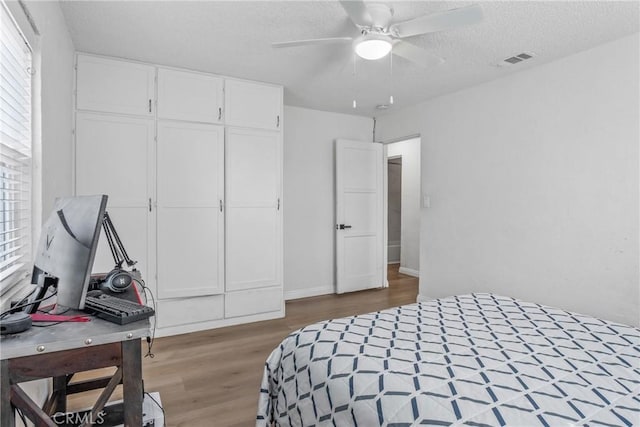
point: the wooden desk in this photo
(62, 350)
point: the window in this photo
(15, 156)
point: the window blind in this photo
(15, 155)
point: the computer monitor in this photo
(67, 248)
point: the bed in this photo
(477, 360)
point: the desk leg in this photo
(30, 409)
(7, 415)
(132, 383)
(60, 391)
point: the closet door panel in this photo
(252, 239)
(190, 164)
(253, 105)
(253, 173)
(253, 301)
(190, 171)
(185, 311)
(189, 96)
(189, 259)
(253, 227)
(114, 86)
(112, 157)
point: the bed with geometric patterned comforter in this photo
(477, 360)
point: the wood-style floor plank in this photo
(212, 378)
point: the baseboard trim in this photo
(422, 298)
(409, 271)
(310, 292)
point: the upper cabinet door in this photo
(115, 86)
(189, 96)
(253, 105)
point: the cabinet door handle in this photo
(278, 203)
(219, 113)
(149, 204)
(149, 105)
(278, 121)
(220, 205)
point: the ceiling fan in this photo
(379, 36)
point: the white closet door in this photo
(190, 184)
(114, 86)
(253, 182)
(253, 105)
(189, 96)
(112, 157)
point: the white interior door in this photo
(359, 216)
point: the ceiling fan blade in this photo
(357, 11)
(416, 54)
(439, 21)
(310, 42)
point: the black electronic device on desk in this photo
(114, 309)
(66, 251)
(63, 260)
(114, 296)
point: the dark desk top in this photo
(68, 336)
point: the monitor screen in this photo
(67, 247)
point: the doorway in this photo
(402, 207)
(394, 209)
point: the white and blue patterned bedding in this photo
(477, 360)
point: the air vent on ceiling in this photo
(512, 60)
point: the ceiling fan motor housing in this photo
(381, 15)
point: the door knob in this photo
(342, 226)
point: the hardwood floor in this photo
(212, 378)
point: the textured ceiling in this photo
(234, 38)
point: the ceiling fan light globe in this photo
(372, 46)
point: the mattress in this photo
(477, 360)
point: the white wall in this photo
(309, 196)
(410, 215)
(57, 53)
(533, 181)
